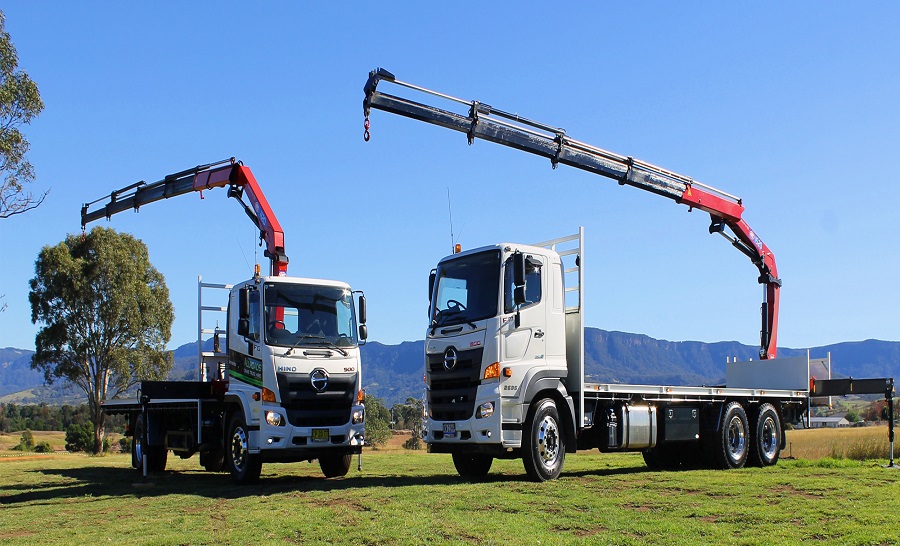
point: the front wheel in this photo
(472, 466)
(244, 466)
(335, 466)
(544, 446)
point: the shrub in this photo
(413, 442)
(43, 447)
(80, 437)
(26, 442)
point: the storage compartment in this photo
(681, 424)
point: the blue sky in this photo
(791, 106)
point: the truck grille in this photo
(452, 393)
(307, 407)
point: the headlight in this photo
(485, 410)
(359, 416)
(274, 419)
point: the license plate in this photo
(449, 430)
(320, 435)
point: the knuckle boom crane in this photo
(488, 123)
(505, 348)
(288, 387)
(228, 172)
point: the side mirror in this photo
(519, 278)
(519, 269)
(362, 309)
(431, 279)
(244, 305)
(363, 332)
(243, 327)
(519, 295)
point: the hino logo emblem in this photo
(450, 357)
(318, 379)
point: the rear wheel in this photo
(765, 437)
(544, 447)
(672, 456)
(243, 465)
(156, 455)
(335, 466)
(213, 461)
(472, 465)
(655, 460)
(731, 445)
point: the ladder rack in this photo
(211, 364)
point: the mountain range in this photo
(394, 372)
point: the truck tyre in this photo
(156, 455)
(662, 458)
(673, 456)
(472, 466)
(244, 466)
(731, 446)
(765, 437)
(137, 442)
(653, 459)
(213, 461)
(335, 466)
(544, 446)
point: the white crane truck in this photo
(286, 388)
(504, 351)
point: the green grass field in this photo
(403, 497)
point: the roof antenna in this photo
(242, 253)
(450, 211)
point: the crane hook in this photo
(366, 135)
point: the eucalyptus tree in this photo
(20, 102)
(105, 314)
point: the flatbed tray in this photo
(151, 390)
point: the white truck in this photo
(504, 351)
(505, 374)
(286, 387)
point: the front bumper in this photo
(474, 433)
(306, 442)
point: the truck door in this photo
(523, 347)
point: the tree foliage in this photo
(26, 442)
(106, 316)
(43, 416)
(20, 102)
(80, 437)
(378, 420)
(409, 416)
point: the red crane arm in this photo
(727, 213)
(231, 173)
(488, 123)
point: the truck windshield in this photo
(466, 289)
(307, 315)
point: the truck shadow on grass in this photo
(94, 483)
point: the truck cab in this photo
(497, 338)
(293, 363)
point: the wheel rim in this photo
(548, 442)
(138, 450)
(239, 448)
(736, 439)
(769, 438)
